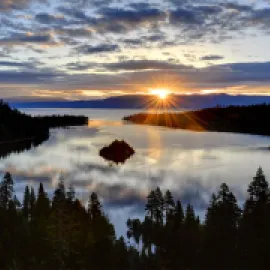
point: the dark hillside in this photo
(240, 119)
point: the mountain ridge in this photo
(144, 101)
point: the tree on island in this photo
(117, 152)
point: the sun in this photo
(160, 93)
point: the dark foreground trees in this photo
(229, 237)
(57, 234)
(62, 234)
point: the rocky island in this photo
(117, 152)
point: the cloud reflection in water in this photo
(192, 165)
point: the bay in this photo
(191, 164)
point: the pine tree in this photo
(158, 206)
(121, 261)
(150, 205)
(190, 219)
(168, 205)
(6, 190)
(42, 208)
(32, 203)
(59, 197)
(26, 203)
(71, 194)
(221, 229)
(258, 189)
(134, 230)
(178, 214)
(94, 206)
(255, 223)
(190, 239)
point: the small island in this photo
(238, 119)
(19, 131)
(117, 152)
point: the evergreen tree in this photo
(121, 255)
(178, 217)
(71, 194)
(94, 206)
(6, 190)
(150, 205)
(101, 236)
(168, 205)
(32, 203)
(134, 230)
(190, 238)
(42, 205)
(221, 229)
(59, 197)
(258, 189)
(158, 206)
(26, 203)
(255, 223)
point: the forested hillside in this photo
(15, 126)
(241, 119)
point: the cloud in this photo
(133, 65)
(16, 64)
(211, 57)
(19, 39)
(130, 28)
(13, 4)
(184, 16)
(76, 13)
(46, 18)
(119, 195)
(82, 32)
(236, 7)
(260, 17)
(138, 75)
(133, 16)
(121, 20)
(195, 193)
(25, 77)
(101, 48)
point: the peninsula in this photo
(19, 131)
(238, 119)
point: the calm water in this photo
(192, 165)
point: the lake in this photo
(191, 164)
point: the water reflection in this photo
(102, 123)
(192, 165)
(18, 146)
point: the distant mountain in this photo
(145, 101)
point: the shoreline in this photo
(248, 120)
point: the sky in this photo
(85, 49)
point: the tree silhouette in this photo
(221, 229)
(255, 223)
(169, 205)
(26, 203)
(6, 191)
(32, 202)
(63, 234)
(94, 206)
